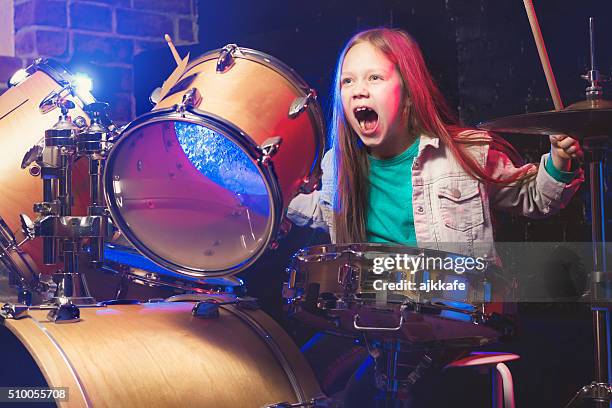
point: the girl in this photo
(403, 170)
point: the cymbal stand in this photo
(600, 390)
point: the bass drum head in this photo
(187, 190)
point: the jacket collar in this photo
(427, 140)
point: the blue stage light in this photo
(83, 84)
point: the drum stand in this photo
(600, 390)
(62, 232)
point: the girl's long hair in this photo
(427, 112)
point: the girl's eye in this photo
(346, 81)
(375, 77)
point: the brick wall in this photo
(99, 37)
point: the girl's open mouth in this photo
(367, 118)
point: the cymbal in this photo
(582, 119)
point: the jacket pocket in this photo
(460, 204)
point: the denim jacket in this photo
(451, 208)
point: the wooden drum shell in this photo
(159, 355)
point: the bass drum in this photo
(158, 355)
(22, 125)
(200, 187)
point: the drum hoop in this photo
(223, 127)
(298, 83)
(274, 347)
(358, 250)
(58, 73)
(159, 279)
(361, 248)
(55, 70)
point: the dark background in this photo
(483, 56)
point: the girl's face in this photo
(372, 94)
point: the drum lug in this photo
(300, 103)
(269, 148)
(65, 313)
(226, 58)
(34, 154)
(247, 303)
(206, 309)
(348, 277)
(11, 311)
(191, 99)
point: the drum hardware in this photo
(313, 403)
(128, 274)
(65, 313)
(60, 312)
(348, 278)
(55, 98)
(60, 230)
(134, 269)
(390, 374)
(329, 301)
(372, 328)
(226, 58)
(31, 280)
(19, 76)
(591, 121)
(32, 155)
(191, 99)
(209, 308)
(268, 149)
(11, 311)
(300, 103)
(95, 143)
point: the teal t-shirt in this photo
(389, 214)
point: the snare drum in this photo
(381, 288)
(23, 122)
(200, 184)
(386, 273)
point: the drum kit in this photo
(185, 197)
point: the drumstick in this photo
(175, 54)
(537, 36)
